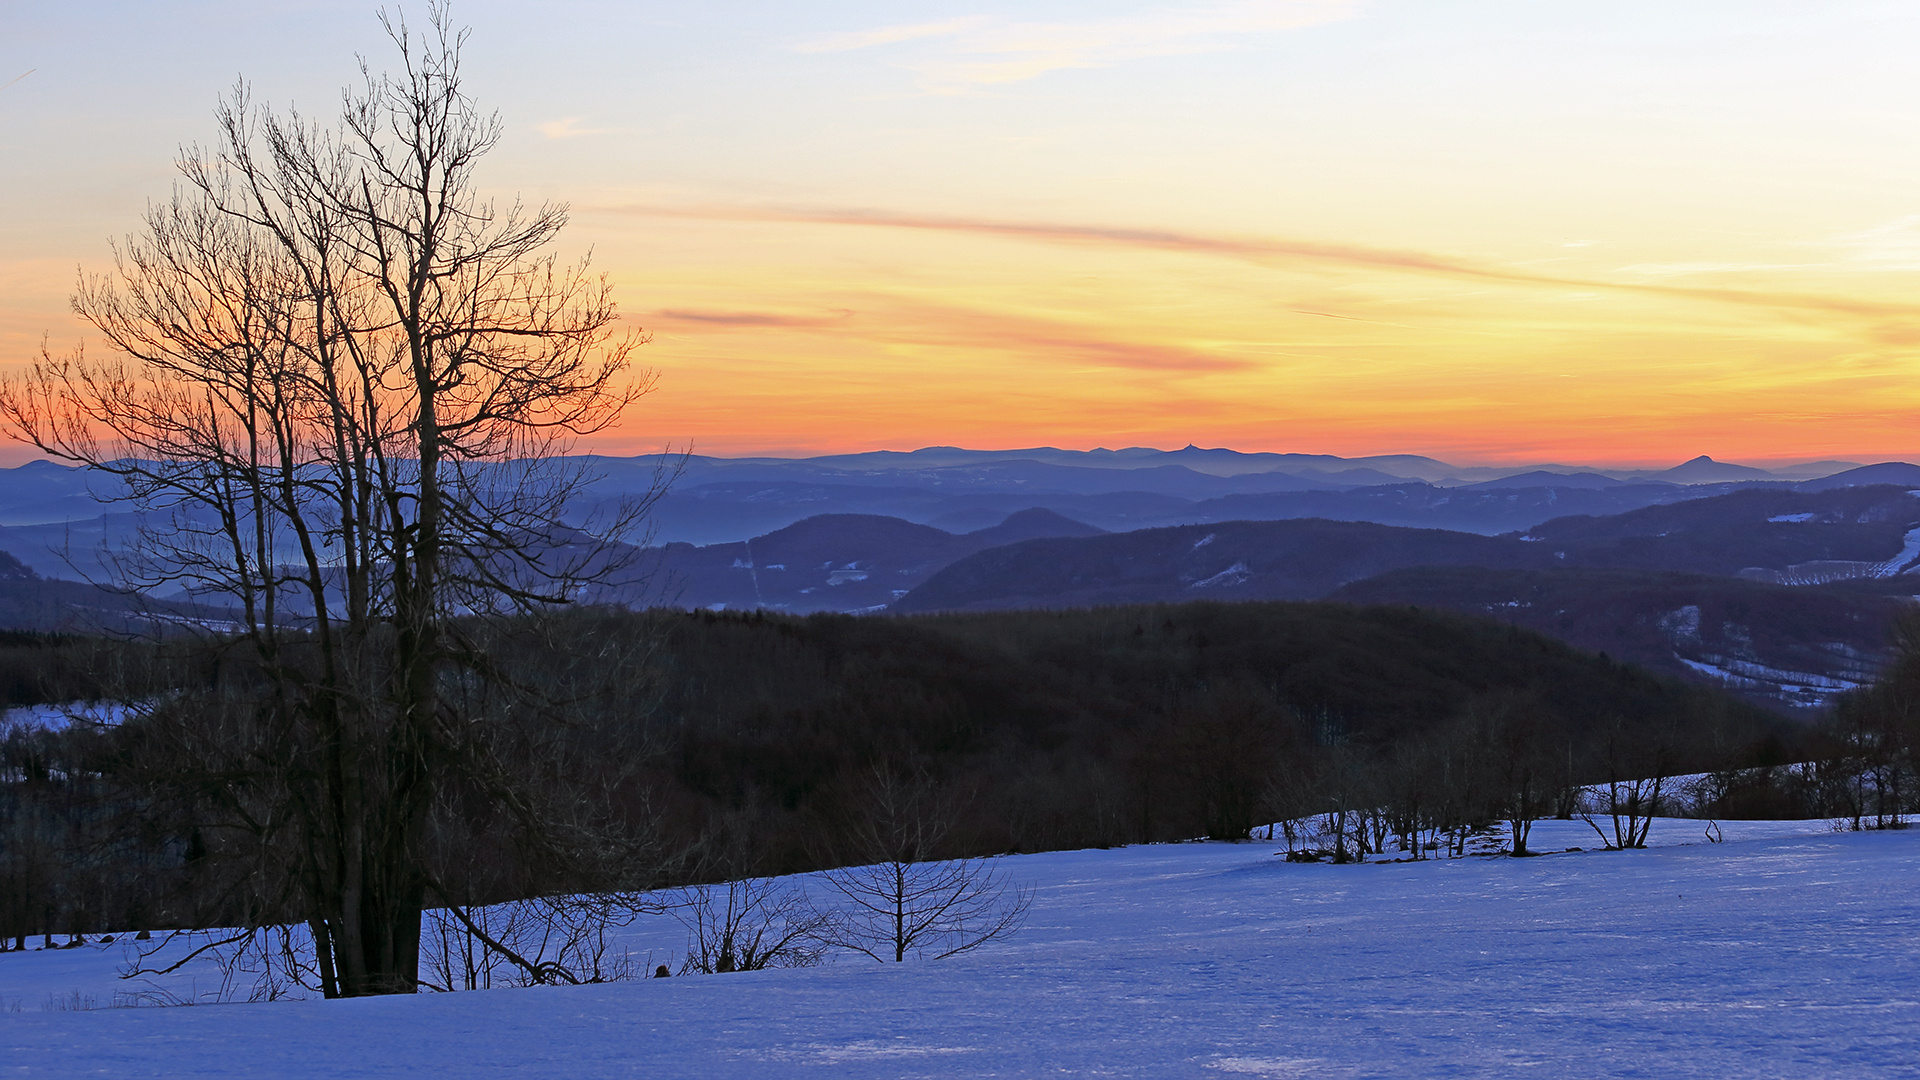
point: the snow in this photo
(1232, 575)
(1909, 552)
(1802, 687)
(1788, 951)
(1682, 622)
(58, 717)
(1820, 572)
(1795, 518)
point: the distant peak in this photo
(1702, 460)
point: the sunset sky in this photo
(1606, 232)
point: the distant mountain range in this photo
(52, 515)
(1783, 595)
(716, 500)
(1765, 535)
(1779, 584)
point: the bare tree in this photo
(1638, 765)
(750, 924)
(1520, 761)
(1631, 805)
(342, 389)
(1407, 786)
(901, 900)
(1292, 796)
(544, 941)
(1351, 796)
(1872, 763)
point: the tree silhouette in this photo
(341, 387)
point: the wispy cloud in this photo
(1163, 239)
(747, 318)
(897, 319)
(570, 127)
(892, 35)
(1890, 245)
(1270, 251)
(1031, 337)
(1695, 269)
(985, 50)
(1279, 250)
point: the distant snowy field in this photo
(1789, 951)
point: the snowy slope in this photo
(1772, 955)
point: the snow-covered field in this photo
(1789, 951)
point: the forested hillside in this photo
(1793, 647)
(722, 743)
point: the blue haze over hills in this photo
(722, 500)
(1779, 584)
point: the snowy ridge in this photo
(1909, 554)
(1232, 575)
(1800, 687)
(1823, 571)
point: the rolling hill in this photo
(830, 562)
(1775, 644)
(1773, 534)
(1242, 560)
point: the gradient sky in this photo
(1608, 231)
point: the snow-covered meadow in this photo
(1788, 951)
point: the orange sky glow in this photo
(1585, 233)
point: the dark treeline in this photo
(710, 746)
(48, 668)
(1133, 724)
(1865, 761)
(69, 861)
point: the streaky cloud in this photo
(949, 326)
(1890, 245)
(901, 320)
(1267, 251)
(569, 127)
(888, 35)
(746, 318)
(985, 50)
